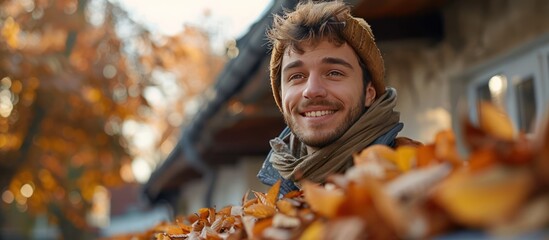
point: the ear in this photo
(370, 95)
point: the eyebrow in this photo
(293, 64)
(327, 60)
(339, 61)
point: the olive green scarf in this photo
(290, 156)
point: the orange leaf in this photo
(483, 199)
(286, 207)
(226, 211)
(323, 201)
(374, 152)
(210, 234)
(250, 202)
(445, 147)
(262, 225)
(425, 155)
(198, 225)
(228, 222)
(495, 122)
(203, 213)
(170, 229)
(260, 210)
(217, 224)
(272, 194)
(185, 228)
(193, 218)
(482, 159)
(211, 217)
(293, 194)
(388, 207)
(261, 197)
(357, 202)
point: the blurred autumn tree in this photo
(72, 73)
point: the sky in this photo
(230, 19)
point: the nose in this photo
(314, 88)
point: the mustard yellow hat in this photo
(358, 35)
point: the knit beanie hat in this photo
(358, 35)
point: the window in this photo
(517, 83)
(525, 97)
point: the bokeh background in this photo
(115, 115)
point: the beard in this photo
(321, 139)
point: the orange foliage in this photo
(432, 194)
(71, 85)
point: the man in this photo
(327, 80)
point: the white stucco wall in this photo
(231, 185)
(475, 33)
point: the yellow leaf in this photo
(405, 157)
(10, 31)
(313, 231)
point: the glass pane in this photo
(526, 103)
(483, 93)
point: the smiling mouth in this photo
(318, 113)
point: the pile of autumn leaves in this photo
(501, 189)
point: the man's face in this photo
(322, 92)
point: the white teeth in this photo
(318, 113)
